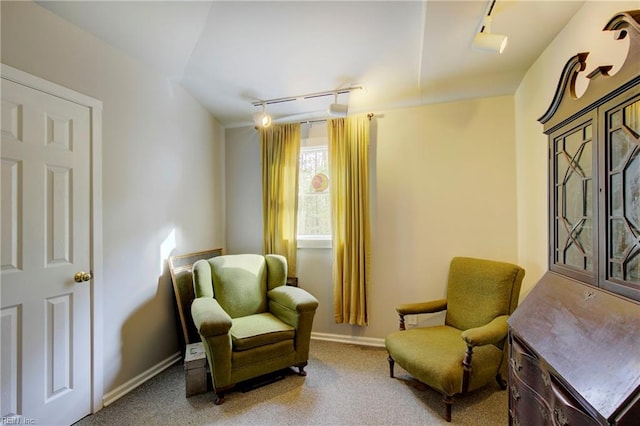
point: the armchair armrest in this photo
(293, 298)
(297, 308)
(209, 317)
(422, 307)
(490, 333)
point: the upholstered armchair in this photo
(250, 322)
(469, 349)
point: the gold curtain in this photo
(349, 174)
(280, 146)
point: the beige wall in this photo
(163, 170)
(582, 34)
(465, 178)
(443, 185)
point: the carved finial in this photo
(567, 84)
(566, 105)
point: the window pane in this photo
(314, 208)
(623, 248)
(574, 198)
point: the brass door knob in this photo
(82, 276)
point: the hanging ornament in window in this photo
(320, 182)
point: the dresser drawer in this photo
(566, 410)
(526, 408)
(529, 369)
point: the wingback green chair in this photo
(250, 322)
(469, 350)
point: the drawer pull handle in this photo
(543, 411)
(516, 364)
(514, 418)
(515, 394)
(561, 417)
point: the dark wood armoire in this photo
(574, 354)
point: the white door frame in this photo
(95, 108)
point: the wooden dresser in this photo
(574, 356)
(575, 339)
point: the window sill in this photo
(314, 242)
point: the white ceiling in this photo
(228, 54)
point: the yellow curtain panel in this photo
(280, 150)
(349, 174)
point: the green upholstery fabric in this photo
(248, 274)
(434, 356)
(422, 307)
(480, 290)
(259, 330)
(249, 321)
(481, 294)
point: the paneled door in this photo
(46, 258)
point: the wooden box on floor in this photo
(195, 369)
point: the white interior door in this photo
(46, 236)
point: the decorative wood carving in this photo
(566, 105)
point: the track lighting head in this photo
(486, 41)
(262, 119)
(336, 109)
(490, 42)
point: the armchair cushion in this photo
(248, 274)
(480, 290)
(434, 356)
(259, 330)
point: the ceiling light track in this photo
(307, 96)
(485, 39)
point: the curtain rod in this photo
(307, 96)
(322, 120)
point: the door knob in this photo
(82, 276)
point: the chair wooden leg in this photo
(220, 392)
(448, 401)
(391, 364)
(301, 367)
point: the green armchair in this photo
(469, 350)
(250, 322)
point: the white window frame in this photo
(313, 241)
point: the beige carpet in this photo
(345, 385)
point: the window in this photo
(314, 202)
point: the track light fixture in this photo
(336, 109)
(262, 119)
(485, 40)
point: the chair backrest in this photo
(240, 282)
(480, 290)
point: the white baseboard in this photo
(354, 340)
(122, 390)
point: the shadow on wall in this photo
(148, 324)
